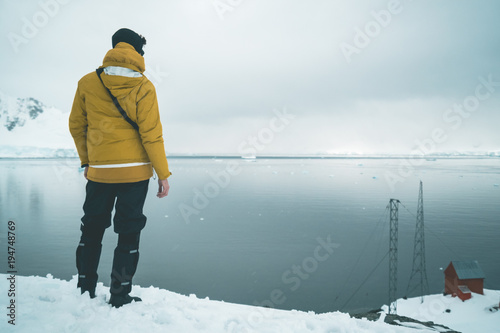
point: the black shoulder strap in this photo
(115, 101)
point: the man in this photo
(118, 160)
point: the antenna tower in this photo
(393, 256)
(419, 253)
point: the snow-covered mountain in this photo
(28, 128)
(15, 112)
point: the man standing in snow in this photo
(118, 155)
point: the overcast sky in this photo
(353, 76)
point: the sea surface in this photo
(291, 233)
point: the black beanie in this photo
(130, 37)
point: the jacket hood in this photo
(123, 55)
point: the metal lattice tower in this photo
(393, 256)
(419, 253)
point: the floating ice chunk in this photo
(202, 218)
(331, 176)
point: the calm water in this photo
(256, 235)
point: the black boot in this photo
(87, 261)
(125, 261)
(120, 300)
(88, 254)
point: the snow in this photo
(44, 135)
(40, 137)
(414, 325)
(471, 316)
(46, 304)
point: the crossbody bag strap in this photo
(115, 102)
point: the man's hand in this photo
(163, 188)
(85, 172)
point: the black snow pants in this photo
(128, 222)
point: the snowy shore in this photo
(46, 304)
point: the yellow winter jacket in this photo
(103, 138)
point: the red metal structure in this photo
(461, 278)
